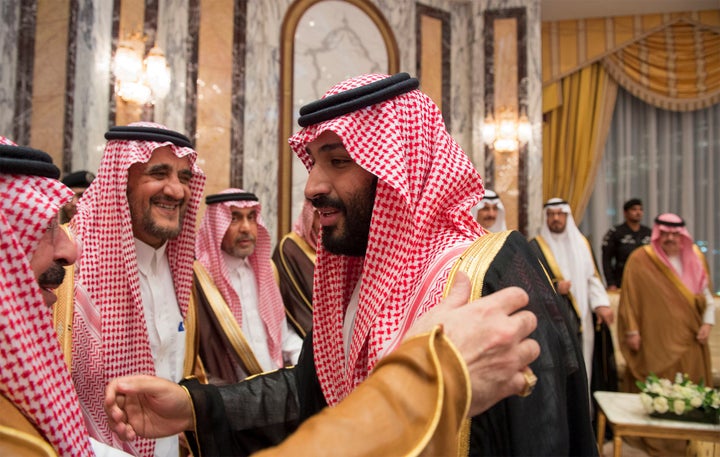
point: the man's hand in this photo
(704, 333)
(563, 287)
(605, 314)
(147, 406)
(633, 341)
(491, 337)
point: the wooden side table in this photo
(625, 414)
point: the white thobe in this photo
(164, 321)
(242, 278)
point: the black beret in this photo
(21, 160)
(80, 178)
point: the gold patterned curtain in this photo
(671, 61)
(578, 110)
(675, 68)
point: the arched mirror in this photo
(323, 42)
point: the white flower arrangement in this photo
(682, 396)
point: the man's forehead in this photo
(325, 142)
(490, 206)
(554, 211)
(244, 211)
(165, 155)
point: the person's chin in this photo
(168, 225)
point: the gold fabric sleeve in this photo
(63, 308)
(18, 436)
(412, 404)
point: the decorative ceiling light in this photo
(140, 81)
(506, 132)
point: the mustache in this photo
(324, 201)
(166, 199)
(53, 275)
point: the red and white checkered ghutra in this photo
(215, 223)
(421, 222)
(34, 376)
(110, 336)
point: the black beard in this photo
(53, 275)
(353, 240)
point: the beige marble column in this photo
(49, 77)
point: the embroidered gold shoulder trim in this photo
(670, 274)
(64, 307)
(305, 247)
(227, 321)
(475, 262)
(555, 268)
(13, 439)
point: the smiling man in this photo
(490, 212)
(241, 319)
(393, 191)
(132, 283)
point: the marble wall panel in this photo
(400, 15)
(531, 189)
(24, 73)
(9, 25)
(534, 104)
(197, 37)
(214, 93)
(334, 41)
(172, 36)
(262, 95)
(459, 70)
(50, 78)
(460, 77)
(91, 95)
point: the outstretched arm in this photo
(417, 397)
(489, 334)
(147, 406)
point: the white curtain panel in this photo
(670, 160)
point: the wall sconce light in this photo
(507, 132)
(136, 80)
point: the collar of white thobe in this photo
(234, 263)
(676, 262)
(242, 276)
(148, 257)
